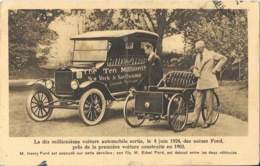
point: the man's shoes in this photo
(206, 125)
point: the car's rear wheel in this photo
(177, 112)
(37, 104)
(92, 107)
(216, 110)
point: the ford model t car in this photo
(104, 66)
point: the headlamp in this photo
(74, 84)
(49, 84)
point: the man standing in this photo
(155, 71)
(153, 76)
(205, 70)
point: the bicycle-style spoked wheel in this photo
(131, 118)
(216, 110)
(177, 112)
(37, 105)
(92, 107)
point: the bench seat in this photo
(176, 82)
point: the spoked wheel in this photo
(92, 107)
(177, 112)
(131, 118)
(37, 104)
(216, 110)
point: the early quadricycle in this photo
(104, 66)
(172, 99)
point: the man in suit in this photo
(155, 70)
(205, 70)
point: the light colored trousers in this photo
(201, 95)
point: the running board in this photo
(62, 107)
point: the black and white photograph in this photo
(129, 83)
(134, 71)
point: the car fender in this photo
(39, 86)
(38, 81)
(98, 85)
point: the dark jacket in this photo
(154, 73)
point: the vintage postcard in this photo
(129, 82)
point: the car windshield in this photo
(90, 51)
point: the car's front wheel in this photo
(37, 105)
(92, 107)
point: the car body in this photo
(104, 66)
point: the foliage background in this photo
(34, 45)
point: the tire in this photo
(216, 110)
(37, 102)
(177, 112)
(92, 107)
(132, 119)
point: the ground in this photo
(68, 122)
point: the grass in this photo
(233, 97)
(34, 73)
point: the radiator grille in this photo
(62, 82)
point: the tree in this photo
(100, 20)
(224, 31)
(30, 38)
(160, 21)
